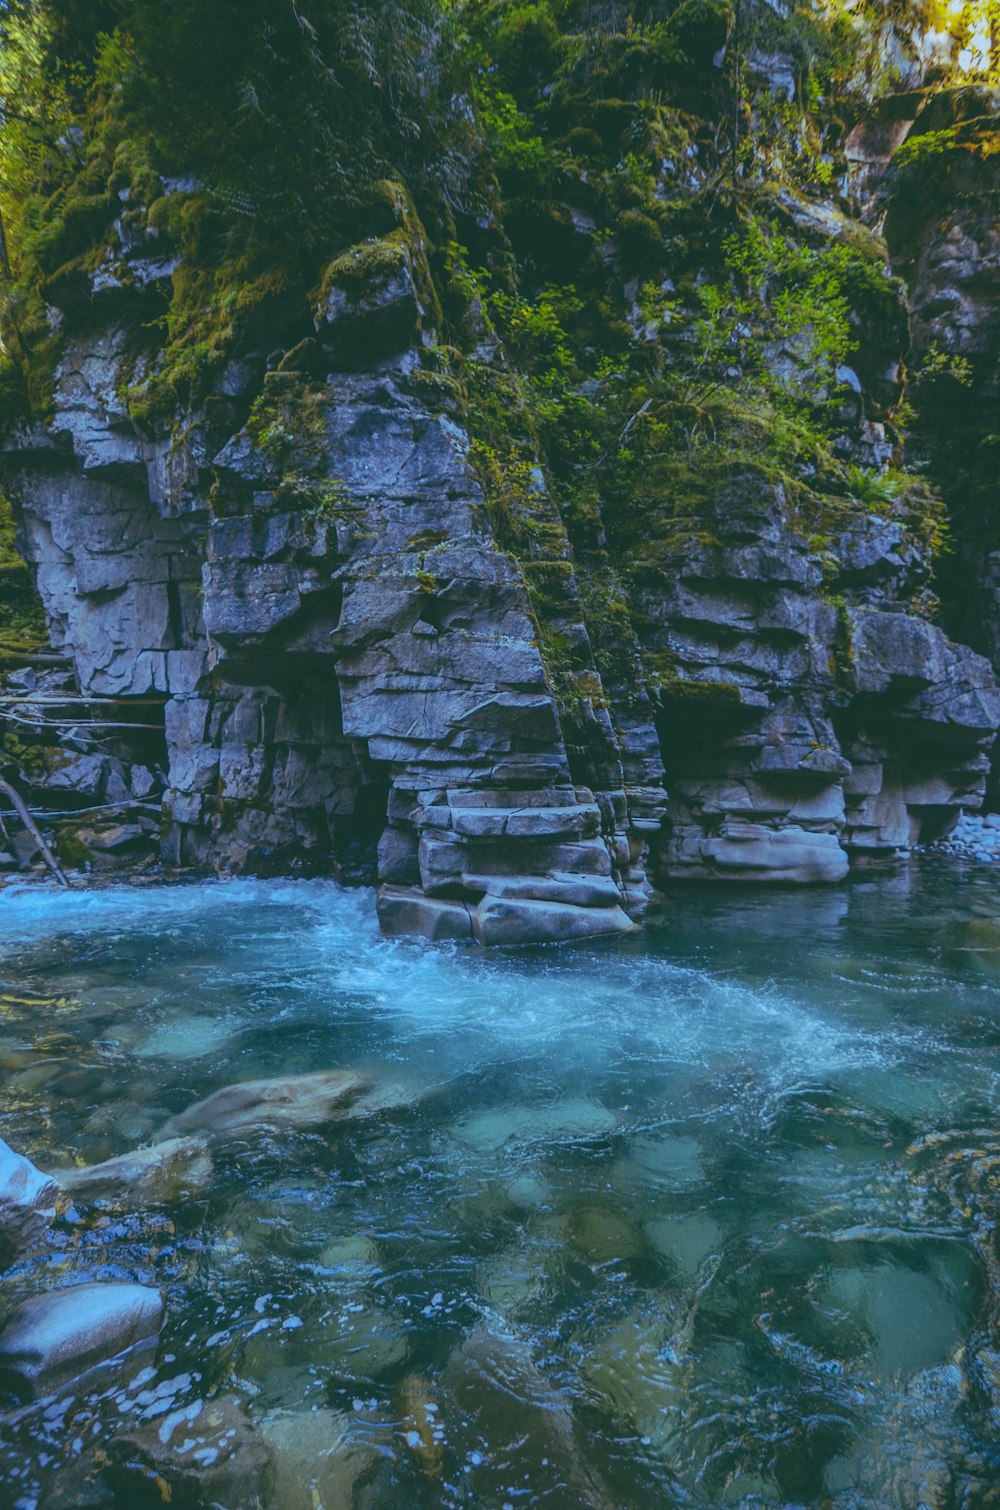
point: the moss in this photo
(425, 540)
(843, 658)
(71, 850)
(72, 223)
(370, 265)
(639, 232)
(688, 691)
(22, 622)
(699, 29)
(362, 267)
(550, 585)
(218, 303)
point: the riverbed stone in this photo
(316, 1459)
(557, 1122)
(161, 1174)
(300, 1101)
(56, 1337)
(203, 1455)
(27, 1203)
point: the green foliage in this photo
(937, 367)
(22, 624)
(874, 489)
(508, 133)
(749, 370)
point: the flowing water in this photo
(700, 1217)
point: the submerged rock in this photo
(163, 1173)
(315, 1461)
(560, 1122)
(289, 1101)
(208, 1453)
(56, 1337)
(494, 1384)
(27, 1203)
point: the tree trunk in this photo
(17, 802)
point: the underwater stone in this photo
(158, 1175)
(291, 1101)
(207, 1453)
(315, 1460)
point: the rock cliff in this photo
(448, 570)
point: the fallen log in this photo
(17, 803)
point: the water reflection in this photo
(700, 1218)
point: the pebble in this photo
(974, 837)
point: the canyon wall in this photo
(358, 633)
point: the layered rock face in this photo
(331, 650)
(359, 672)
(939, 192)
(811, 723)
(357, 681)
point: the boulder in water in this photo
(288, 1101)
(155, 1176)
(59, 1336)
(316, 1459)
(27, 1203)
(207, 1453)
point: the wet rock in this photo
(508, 920)
(316, 1459)
(27, 1203)
(405, 911)
(289, 1101)
(686, 1241)
(186, 1038)
(493, 1383)
(61, 1335)
(751, 852)
(162, 1174)
(201, 1455)
(564, 1121)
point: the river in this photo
(700, 1217)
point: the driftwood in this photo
(17, 803)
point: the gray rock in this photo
(317, 1457)
(27, 1204)
(288, 1101)
(162, 1174)
(406, 911)
(504, 920)
(205, 1454)
(558, 886)
(61, 1335)
(751, 852)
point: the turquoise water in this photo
(700, 1217)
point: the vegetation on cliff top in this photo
(637, 209)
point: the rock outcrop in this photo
(938, 191)
(345, 630)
